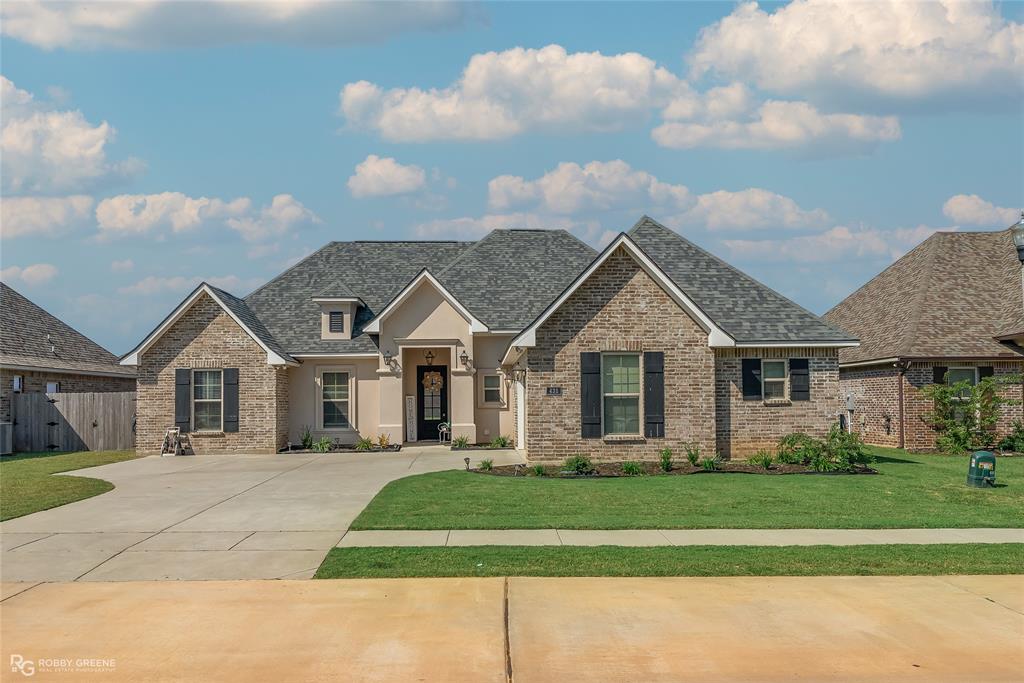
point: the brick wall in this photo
(744, 427)
(69, 384)
(207, 337)
(876, 400)
(619, 308)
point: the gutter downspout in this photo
(902, 367)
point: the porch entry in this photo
(431, 400)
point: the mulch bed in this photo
(338, 448)
(481, 447)
(614, 469)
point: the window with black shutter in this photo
(751, 379)
(590, 395)
(799, 379)
(183, 399)
(654, 394)
(230, 399)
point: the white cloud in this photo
(475, 228)
(49, 151)
(749, 209)
(840, 243)
(885, 50)
(284, 214)
(383, 176)
(778, 125)
(122, 266)
(36, 274)
(155, 284)
(501, 94)
(138, 214)
(970, 209)
(149, 24)
(43, 216)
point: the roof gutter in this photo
(67, 371)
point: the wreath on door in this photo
(432, 381)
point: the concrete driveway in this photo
(210, 517)
(904, 628)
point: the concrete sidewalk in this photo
(911, 628)
(656, 537)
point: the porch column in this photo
(463, 395)
(392, 403)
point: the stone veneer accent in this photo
(34, 381)
(619, 308)
(876, 387)
(207, 337)
(744, 427)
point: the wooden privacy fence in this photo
(100, 421)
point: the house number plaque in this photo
(554, 391)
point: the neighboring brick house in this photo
(531, 334)
(949, 310)
(40, 353)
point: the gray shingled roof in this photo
(245, 314)
(747, 310)
(946, 298)
(24, 327)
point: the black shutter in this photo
(230, 399)
(985, 371)
(751, 379)
(939, 374)
(182, 398)
(799, 379)
(654, 394)
(590, 395)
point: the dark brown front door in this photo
(432, 400)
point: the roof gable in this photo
(424, 279)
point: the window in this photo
(334, 392)
(773, 375)
(207, 400)
(336, 322)
(969, 375)
(492, 389)
(620, 392)
(53, 387)
(18, 384)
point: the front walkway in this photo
(904, 628)
(211, 517)
(654, 537)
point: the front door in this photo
(432, 403)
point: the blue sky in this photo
(809, 144)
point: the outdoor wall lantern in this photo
(429, 356)
(464, 357)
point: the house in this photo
(651, 343)
(949, 310)
(40, 353)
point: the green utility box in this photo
(982, 471)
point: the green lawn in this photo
(26, 484)
(863, 560)
(926, 491)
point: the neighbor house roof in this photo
(949, 297)
(32, 338)
(748, 311)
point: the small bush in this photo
(845, 449)
(666, 459)
(709, 463)
(383, 441)
(322, 445)
(798, 448)
(538, 470)
(1014, 441)
(365, 443)
(307, 438)
(632, 468)
(487, 465)
(460, 441)
(820, 462)
(693, 454)
(762, 458)
(501, 442)
(579, 464)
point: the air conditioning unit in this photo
(6, 438)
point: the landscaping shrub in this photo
(307, 438)
(798, 448)
(666, 459)
(846, 449)
(501, 442)
(762, 458)
(538, 470)
(365, 443)
(383, 441)
(631, 468)
(322, 445)
(579, 464)
(460, 441)
(693, 454)
(1014, 441)
(709, 463)
(964, 416)
(487, 465)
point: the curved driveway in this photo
(210, 517)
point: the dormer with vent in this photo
(338, 308)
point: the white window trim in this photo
(17, 384)
(502, 401)
(193, 399)
(785, 379)
(639, 395)
(318, 382)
